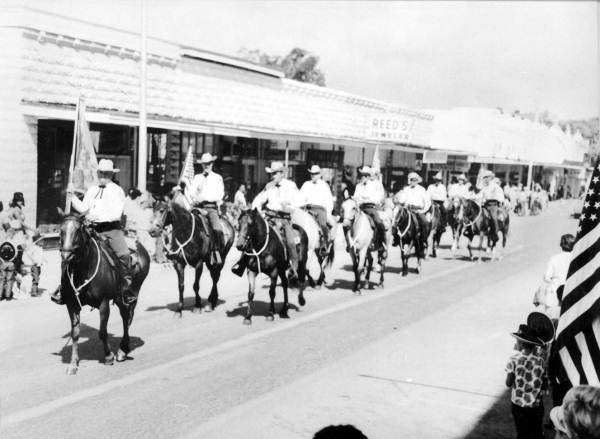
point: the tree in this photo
(299, 64)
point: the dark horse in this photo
(477, 221)
(191, 245)
(455, 220)
(89, 277)
(407, 226)
(265, 251)
(437, 229)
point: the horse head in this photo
(73, 236)
(160, 217)
(251, 227)
(458, 208)
(349, 211)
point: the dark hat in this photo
(527, 335)
(18, 196)
(541, 325)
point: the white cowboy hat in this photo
(462, 177)
(107, 165)
(314, 169)
(207, 157)
(275, 167)
(438, 176)
(364, 170)
(414, 176)
(487, 173)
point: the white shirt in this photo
(207, 187)
(437, 192)
(369, 191)
(415, 196)
(239, 199)
(101, 205)
(318, 193)
(557, 268)
(492, 192)
(280, 196)
(458, 190)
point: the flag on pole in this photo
(376, 165)
(187, 173)
(85, 171)
(578, 331)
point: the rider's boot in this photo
(239, 267)
(56, 296)
(127, 295)
(35, 280)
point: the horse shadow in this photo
(398, 270)
(343, 284)
(90, 346)
(261, 309)
(188, 303)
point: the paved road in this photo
(423, 357)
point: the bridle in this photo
(248, 243)
(476, 217)
(180, 246)
(405, 209)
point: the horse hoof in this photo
(381, 285)
(121, 356)
(269, 318)
(301, 300)
(177, 315)
(284, 315)
(404, 273)
(72, 370)
(208, 308)
(357, 292)
(317, 287)
(109, 360)
(197, 310)
(418, 270)
(247, 321)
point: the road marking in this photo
(47, 407)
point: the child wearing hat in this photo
(526, 376)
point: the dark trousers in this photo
(215, 223)
(290, 238)
(115, 238)
(320, 215)
(529, 421)
(443, 212)
(379, 226)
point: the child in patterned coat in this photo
(526, 376)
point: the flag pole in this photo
(72, 162)
(287, 171)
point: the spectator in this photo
(239, 200)
(554, 276)
(526, 376)
(339, 431)
(579, 415)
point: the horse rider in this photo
(418, 200)
(492, 197)
(460, 189)
(103, 206)
(280, 196)
(369, 194)
(206, 193)
(437, 193)
(318, 200)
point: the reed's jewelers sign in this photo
(392, 127)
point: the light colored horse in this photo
(359, 236)
(305, 220)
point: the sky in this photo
(530, 56)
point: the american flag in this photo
(578, 332)
(187, 173)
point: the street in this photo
(423, 357)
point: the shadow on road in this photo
(90, 346)
(261, 309)
(188, 304)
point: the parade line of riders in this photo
(103, 207)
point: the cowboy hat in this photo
(438, 176)
(541, 324)
(462, 177)
(487, 173)
(314, 169)
(275, 167)
(106, 165)
(18, 196)
(527, 335)
(414, 176)
(207, 157)
(364, 170)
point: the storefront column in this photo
(143, 142)
(529, 175)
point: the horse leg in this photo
(109, 357)
(362, 259)
(382, 261)
(75, 329)
(213, 299)
(302, 273)
(180, 269)
(251, 286)
(198, 300)
(283, 312)
(480, 258)
(404, 256)
(273, 276)
(369, 264)
(471, 257)
(126, 316)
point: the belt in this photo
(208, 204)
(106, 226)
(492, 203)
(278, 214)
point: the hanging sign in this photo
(435, 157)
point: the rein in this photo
(409, 223)
(180, 248)
(258, 253)
(476, 217)
(77, 290)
